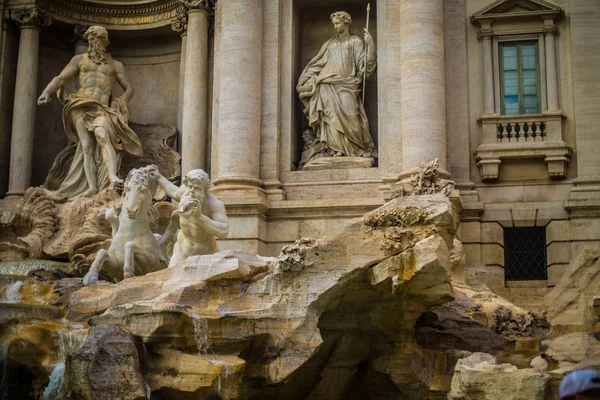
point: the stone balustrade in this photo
(522, 136)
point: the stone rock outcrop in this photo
(106, 367)
(480, 377)
(571, 301)
(337, 323)
(574, 351)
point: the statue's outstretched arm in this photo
(69, 71)
(218, 226)
(171, 189)
(123, 81)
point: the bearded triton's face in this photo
(191, 200)
(99, 43)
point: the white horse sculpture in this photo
(134, 250)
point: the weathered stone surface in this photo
(571, 301)
(311, 327)
(195, 284)
(574, 348)
(480, 377)
(539, 363)
(106, 367)
(458, 325)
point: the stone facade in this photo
(225, 75)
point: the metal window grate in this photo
(525, 254)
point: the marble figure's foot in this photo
(91, 278)
(127, 275)
(115, 179)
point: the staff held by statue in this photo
(366, 52)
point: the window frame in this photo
(518, 43)
(509, 273)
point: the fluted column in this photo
(30, 21)
(551, 68)
(179, 25)
(422, 86)
(195, 91)
(488, 68)
(240, 75)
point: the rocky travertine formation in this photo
(426, 181)
(571, 301)
(377, 309)
(330, 328)
(106, 367)
(480, 377)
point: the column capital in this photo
(32, 17)
(203, 5)
(179, 23)
(79, 33)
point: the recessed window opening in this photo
(525, 254)
(519, 78)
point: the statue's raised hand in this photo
(369, 39)
(43, 99)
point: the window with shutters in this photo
(519, 78)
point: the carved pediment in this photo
(516, 9)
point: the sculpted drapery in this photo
(330, 88)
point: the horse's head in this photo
(140, 185)
(195, 186)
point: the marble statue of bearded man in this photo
(92, 118)
(330, 88)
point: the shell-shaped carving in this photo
(33, 224)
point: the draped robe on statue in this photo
(113, 120)
(332, 107)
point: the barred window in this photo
(525, 254)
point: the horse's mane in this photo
(143, 177)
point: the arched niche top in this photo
(112, 14)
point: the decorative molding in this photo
(31, 17)
(555, 154)
(79, 32)
(204, 5)
(512, 9)
(179, 23)
(111, 15)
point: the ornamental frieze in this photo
(113, 16)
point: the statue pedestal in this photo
(338, 163)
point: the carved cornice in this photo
(117, 15)
(204, 5)
(31, 17)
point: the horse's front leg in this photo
(103, 257)
(135, 255)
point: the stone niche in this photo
(312, 28)
(151, 60)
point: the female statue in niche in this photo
(329, 89)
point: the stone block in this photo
(558, 230)
(558, 253)
(470, 232)
(492, 233)
(492, 254)
(585, 229)
(555, 272)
